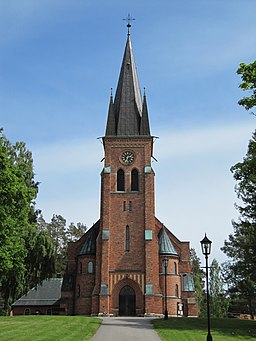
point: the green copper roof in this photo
(89, 246)
(165, 245)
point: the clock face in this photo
(128, 157)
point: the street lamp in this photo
(206, 250)
(165, 261)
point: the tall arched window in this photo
(90, 267)
(120, 180)
(135, 180)
(176, 290)
(80, 267)
(127, 239)
(175, 268)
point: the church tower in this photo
(127, 199)
(117, 266)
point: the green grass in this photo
(48, 328)
(192, 329)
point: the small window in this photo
(163, 267)
(90, 267)
(120, 180)
(49, 311)
(176, 290)
(130, 206)
(80, 268)
(135, 180)
(175, 268)
(124, 206)
(127, 239)
(27, 311)
(78, 290)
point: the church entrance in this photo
(127, 301)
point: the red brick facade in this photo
(117, 266)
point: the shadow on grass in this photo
(226, 327)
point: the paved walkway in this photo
(126, 329)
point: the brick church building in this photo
(117, 267)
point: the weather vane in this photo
(128, 20)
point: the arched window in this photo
(135, 180)
(27, 311)
(163, 268)
(175, 268)
(127, 239)
(120, 180)
(80, 267)
(176, 290)
(90, 267)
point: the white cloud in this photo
(63, 158)
(192, 143)
(194, 185)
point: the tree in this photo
(248, 75)
(218, 301)
(198, 276)
(60, 235)
(57, 231)
(74, 232)
(241, 245)
(19, 240)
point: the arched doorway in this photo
(127, 301)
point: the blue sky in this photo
(58, 61)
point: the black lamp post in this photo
(206, 250)
(165, 261)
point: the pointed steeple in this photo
(111, 123)
(125, 116)
(144, 124)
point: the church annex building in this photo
(117, 266)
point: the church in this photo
(128, 263)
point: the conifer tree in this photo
(241, 245)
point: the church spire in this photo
(144, 123)
(127, 116)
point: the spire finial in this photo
(144, 94)
(111, 92)
(128, 20)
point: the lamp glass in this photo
(206, 245)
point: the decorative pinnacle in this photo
(128, 20)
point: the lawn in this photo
(48, 328)
(192, 329)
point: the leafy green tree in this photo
(248, 75)
(19, 240)
(218, 301)
(198, 276)
(241, 245)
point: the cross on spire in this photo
(128, 20)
